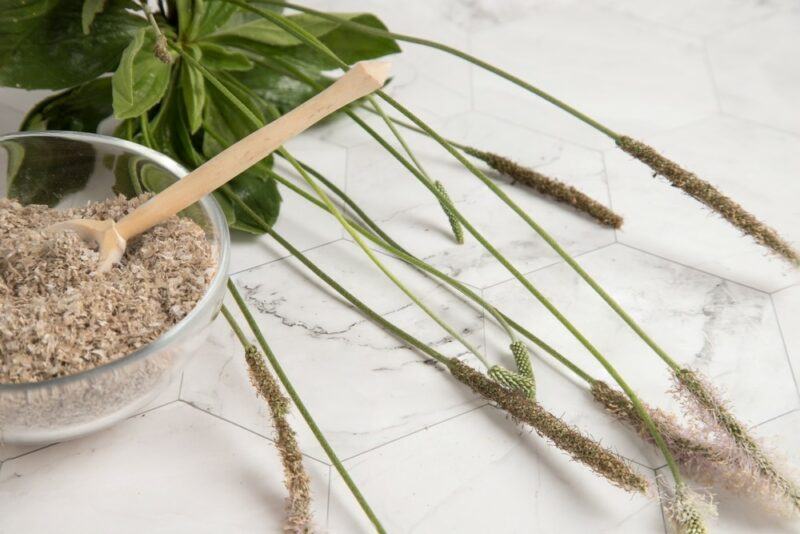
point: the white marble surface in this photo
(712, 84)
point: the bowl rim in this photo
(217, 219)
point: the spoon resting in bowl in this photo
(111, 237)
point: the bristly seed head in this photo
(570, 440)
(686, 510)
(696, 454)
(296, 480)
(550, 187)
(746, 457)
(710, 196)
(161, 49)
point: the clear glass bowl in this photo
(77, 168)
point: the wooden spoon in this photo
(111, 237)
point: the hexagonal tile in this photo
(727, 331)
(361, 385)
(787, 306)
(412, 215)
(176, 467)
(475, 15)
(671, 85)
(757, 67)
(738, 514)
(169, 394)
(300, 221)
(699, 19)
(444, 479)
(752, 164)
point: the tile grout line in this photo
(250, 430)
(426, 427)
(287, 256)
(559, 261)
(785, 345)
(693, 268)
(148, 410)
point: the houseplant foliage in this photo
(100, 55)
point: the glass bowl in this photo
(78, 168)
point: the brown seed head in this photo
(692, 452)
(709, 195)
(570, 440)
(296, 480)
(550, 187)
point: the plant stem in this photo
(450, 50)
(276, 366)
(392, 248)
(337, 214)
(371, 255)
(313, 42)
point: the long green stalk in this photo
(450, 50)
(287, 384)
(313, 42)
(337, 214)
(340, 218)
(402, 254)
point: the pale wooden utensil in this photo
(112, 237)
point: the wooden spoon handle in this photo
(359, 81)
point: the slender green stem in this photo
(337, 214)
(499, 192)
(313, 42)
(450, 50)
(287, 385)
(240, 335)
(398, 136)
(145, 127)
(374, 258)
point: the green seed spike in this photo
(513, 380)
(447, 207)
(522, 358)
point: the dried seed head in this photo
(697, 455)
(686, 509)
(447, 207)
(570, 440)
(522, 358)
(710, 196)
(161, 49)
(550, 187)
(747, 459)
(513, 380)
(296, 480)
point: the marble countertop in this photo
(713, 85)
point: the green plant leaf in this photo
(185, 9)
(284, 92)
(193, 89)
(44, 170)
(90, 10)
(42, 44)
(265, 38)
(218, 57)
(223, 125)
(141, 79)
(80, 109)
